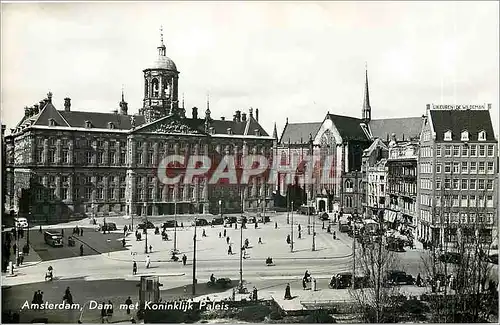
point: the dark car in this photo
(109, 226)
(230, 220)
(397, 277)
(493, 258)
(324, 216)
(217, 221)
(450, 257)
(341, 280)
(148, 225)
(170, 224)
(264, 219)
(201, 222)
(221, 283)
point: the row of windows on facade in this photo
(112, 193)
(464, 167)
(459, 184)
(403, 187)
(457, 217)
(456, 200)
(395, 171)
(376, 178)
(140, 145)
(372, 188)
(468, 150)
(464, 136)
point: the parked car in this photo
(217, 221)
(324, 216)
(341, 280)
(397, 277)
(264, 219)
(148, 225)
(201, 222)
(493, 258)
(220, 283)
(450, 257)
(170, 224)
(109, 226)
(20, 222)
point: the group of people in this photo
(78, 231)
(107, 311)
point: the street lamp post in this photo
(354, 215)
(291, 246)
(194, 258)
(241, 245)
(220, 208)
(175, 226)
(146, 228)
(287, 208)
(314, 235)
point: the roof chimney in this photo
(49, 97)
(257, 114)
(115, 111)
(489, 105)
(26, 111)
(238, 116)
(222, 118)
(34, 110)
(243, 117)
(195, 113)
(257, 132)
(42, 104)
(251, 112)
(67, 104)
(229, 131)
(428, 106)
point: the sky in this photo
(289, 59)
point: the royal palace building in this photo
(75, 164)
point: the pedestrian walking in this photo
(230, 250)
(300, 234)
(128, 302)
(14, 248)
(40, 229)
(255, 224)
(148, 262)
(224, 232)
(104, 314)
(299, 228)
(220, 234)
(81, 231)
(334, 235)
(150, 249)
(288, 239)
(323, 225)
(123, 242)
(304, 286)
(134, 268)
(254, 294)
(227, 240)
(260, 240)
(275, 225)
(62, 232)
(184, 259)
(204, 234)
(314, 284)
(81, 250)
(288, 294)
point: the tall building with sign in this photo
(80, 163)
(458, 176)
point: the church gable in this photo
(171, 125)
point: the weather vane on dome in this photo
(161, 34)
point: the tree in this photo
(373, 294)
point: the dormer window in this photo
(52, 122)
(447, 135)
(111, 125)
(212, 130)
(464, 136)
(257, 132)
(482, 136)
(229, 131)
(88, 124)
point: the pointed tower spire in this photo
(275, 132)
(123, 105)
(208, 101)
(366, 114)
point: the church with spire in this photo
(79, 164)
(344, 140)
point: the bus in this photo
(54, 239)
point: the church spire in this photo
(275, 132)
(366, 113)
(208, 101)
(123, 105)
